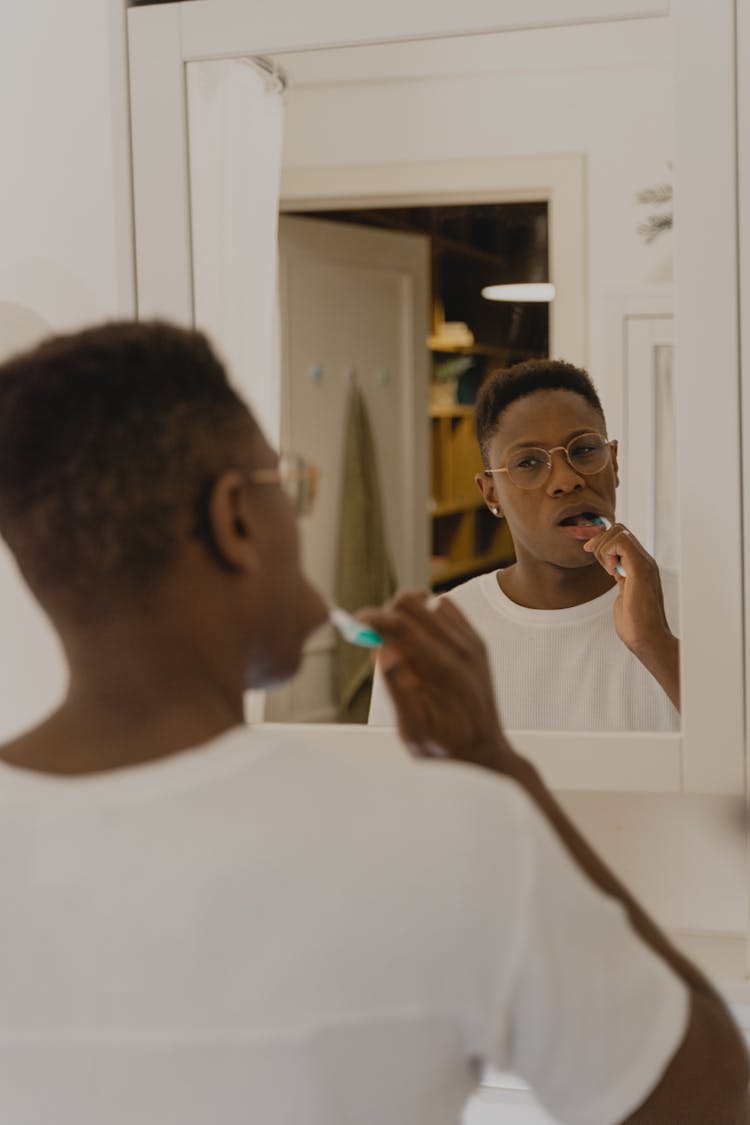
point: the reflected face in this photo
(286, 607)
(544, 521)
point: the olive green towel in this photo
(364, 573)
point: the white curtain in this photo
(235, 121)
(235, 125)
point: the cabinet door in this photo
(650, 478)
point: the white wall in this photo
(65, 241)
(683, 856)
(604, 91)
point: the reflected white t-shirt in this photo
(253, 931)
(558, 669)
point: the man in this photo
(577, 630)
(204, 923)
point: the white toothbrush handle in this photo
(352, 630)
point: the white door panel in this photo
(354, 306)
(345, 321)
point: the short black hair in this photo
(110, 439)
(504, 386)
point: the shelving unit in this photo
(469, 250)
(466, 537)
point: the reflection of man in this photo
(573, 645)
(209, 923)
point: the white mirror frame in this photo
(708, 756)
(743, 221)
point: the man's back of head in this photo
(144, 508)
(109, 442)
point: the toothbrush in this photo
(352, 630)
(602, 521)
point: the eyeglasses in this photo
(531, 466)
(298, 477)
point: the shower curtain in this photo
(236, 120)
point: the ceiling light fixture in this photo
(532, 291)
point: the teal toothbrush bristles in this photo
(354, 631)
(602, 521)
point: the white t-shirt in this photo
(255, 932)
(557, 669)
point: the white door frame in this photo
(560, 181)
(708, 756)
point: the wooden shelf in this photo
(466, 537)
(457, 568)
(470, 349)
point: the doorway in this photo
(391, 297)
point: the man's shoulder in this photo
(474, 591)
(375, 762)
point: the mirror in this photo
(707, 755)
(534, 148)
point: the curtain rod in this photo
(277, 79)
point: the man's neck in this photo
(542, 585)
(137, 693)
(70, 743)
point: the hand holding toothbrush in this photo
(640, 619)
(438, 675)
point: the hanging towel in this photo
(364, 574)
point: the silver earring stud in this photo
(495, 511)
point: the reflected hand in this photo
(640, 619)
(437, 672)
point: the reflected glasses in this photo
(531, 466)
(297, 477)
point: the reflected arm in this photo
(640, 617)
(662, 659)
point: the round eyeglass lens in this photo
(307, 487)
(528, 468)
(588, 453)
(299, 480)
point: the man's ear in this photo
(230, 523)
(615, 464)
(486, 486)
